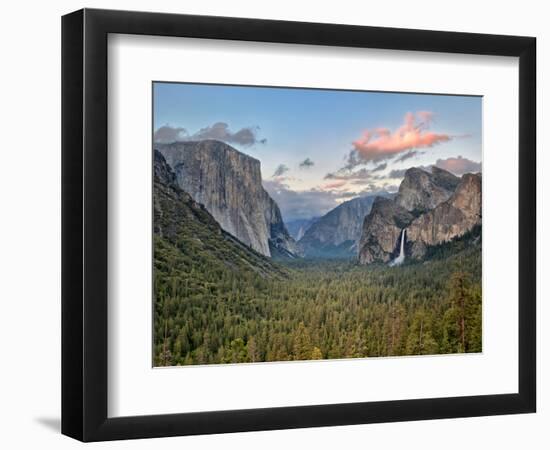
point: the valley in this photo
(321, 309)
(232, 285)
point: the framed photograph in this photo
(273, 225)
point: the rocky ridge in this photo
(450, 219)
(421, 191)
(229, 184)
(187, 233)
(337, 233)
(433, 207)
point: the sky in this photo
(320, 147)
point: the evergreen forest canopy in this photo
(207, 314)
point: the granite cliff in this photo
(448, 220)
(422, 191)
(229, 185)
(187, 236)
(433, 207)
(381, 230)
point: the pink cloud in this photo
(335, 184)
(380, 143)
(459, 165)
(425, 116)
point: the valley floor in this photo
(317, 309)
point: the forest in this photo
(206, 312)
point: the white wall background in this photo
(30, 223)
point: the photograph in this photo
(296, 224)
(266, 225)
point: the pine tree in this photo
(301, 348)
(316, 353)
(459, 299)
(252, 350)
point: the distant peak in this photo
(416, 170)
(439, 172)
(380, 200)
(436, 169)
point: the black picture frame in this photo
(84, 224)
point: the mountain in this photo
(421, 191)
(450, 219)
(189, 240)
(337, 233)
(434, 208)
(298, 227)
(229, 184)
(381, 230)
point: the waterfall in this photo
(301, 233)
(399, 260)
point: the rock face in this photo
(181, 222)
(421, 191)
(381, 231)
(229, 184)
(337, 233)
(452, 218)
(433, 207)
(281, 244)
(298, 227)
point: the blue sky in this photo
(356, 142)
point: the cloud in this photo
(352, 160)
(407, 155)
(459, 165)
(301, 204)
(397, 173)
(425, 116)
(280, 170)
(361, 177)
(391, 188)
(386, 188)
(306, 163)
(361, 174)
(360, 182)
(380, 144)
(335, 184)
(380, 167)
(167, 134)
(219, 131)
(318, 201)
